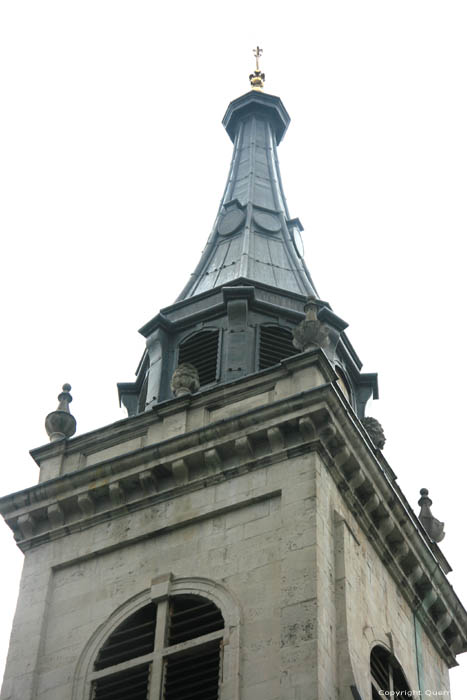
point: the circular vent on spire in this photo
(268, 222)
(231, 222)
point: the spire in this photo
(253, 237)
(237, 314)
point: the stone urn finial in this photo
(310, 333)
(60, 424)
(185, 380)
(434, 527)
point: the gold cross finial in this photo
(257, 78)
(257, 53)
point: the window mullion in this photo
(131, 663)
(159, 643)
(198, 641)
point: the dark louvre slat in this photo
(195, 612)
(398, 680)
(193, 605)
(194, 674)
(194, 663)
(185, 677)
(275, 344)
(202, 617)
(130, 629)
(132, 651)
(126, 685)
(380, 670)
(192, 617)
(134, 637)
(387, 675)
(279, 348)
(201, 351)
(202, 339)
(200, 630)
(196, 679)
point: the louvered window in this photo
(184, 661)
(192, 617)
(387, 677)
(193, 674)
(275, 344)
(126, 685)
(201, 350)
(134, 637)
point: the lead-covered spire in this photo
(243, 307)
(253, 237)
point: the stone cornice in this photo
(237, 389)
(317, 419)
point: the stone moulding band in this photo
(314, 420)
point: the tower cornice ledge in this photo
(271, 423)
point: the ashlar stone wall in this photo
(254, 535)
(360, 606)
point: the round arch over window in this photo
(149, 625)
(174, 645)
(387, 676)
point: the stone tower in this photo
(240, 535)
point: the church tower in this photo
(240, 535)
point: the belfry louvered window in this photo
(193, 672)
(184, 661)
(201, 350)
(275, 344)
(387, 677)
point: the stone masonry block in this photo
(160, 587)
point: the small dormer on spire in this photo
(257, 78)
(60, 424)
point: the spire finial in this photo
(61, 424)
(257, 78)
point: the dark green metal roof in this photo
(238, 311)
(253, 235)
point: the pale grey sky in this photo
(113, 161)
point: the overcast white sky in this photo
(113, 161)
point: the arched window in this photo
(174, 645)
(275, 344)
(386, 674)
(201, 350)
